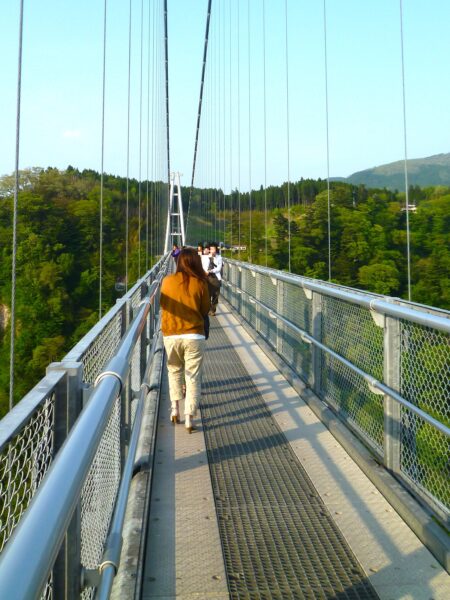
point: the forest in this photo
(57, 287)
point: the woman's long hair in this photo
(190, 265)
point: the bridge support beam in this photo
(175, 233)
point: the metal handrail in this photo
(374, 302)
(372, 381)
(111, 558)
(45, 523)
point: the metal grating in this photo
(23, 464)
(278, 539)
(102, 349)
(99, 495)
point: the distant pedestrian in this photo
(185, 301)
(213, 268)
(200, 249)
(175, 252)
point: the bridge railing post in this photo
(280, 308)
(68, 406)
(392, 409)
(316, 332)
(257, 307)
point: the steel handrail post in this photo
(392, 410)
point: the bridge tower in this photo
(175, 233)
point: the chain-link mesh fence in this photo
(27, 453)
(99, 495)
(356, 343)
(425, 382)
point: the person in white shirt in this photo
(214, 264)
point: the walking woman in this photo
(185, 302)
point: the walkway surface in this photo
(262, 502)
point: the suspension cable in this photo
(327, 136)
(15, 211)
(249, 132)
(231, 134)
(200, 101)
(287, 137)
(102, 166)
(265, 126)
(166, 57)
(140, 140)
(128, 150)
(239, 125)
(408, 247)
(148, 141)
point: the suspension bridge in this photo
(320, 468)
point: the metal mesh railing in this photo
(353, 347)
(28, 433)
(99, 494)
(24, 460)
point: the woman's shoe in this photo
(188, 424)
(175, 414)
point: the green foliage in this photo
(58, 247)
(57, 287)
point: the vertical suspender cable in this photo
(287, 138)
(15, 211)
(148, 142)
(408, 247)
(128, 150)
(249, 132)
(140, 141)
(102, 167)
(239, 126)
(327, 136)
(224, 218)
(231, 136)
(265, 126)
(166, 59)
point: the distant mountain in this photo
(433, 170)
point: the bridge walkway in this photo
(262, 502)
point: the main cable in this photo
(15, 211)
(200, 101)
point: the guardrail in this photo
(74, 428)
(380, 363)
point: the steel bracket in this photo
(90, 578)
(374, 389)
(308, 293)
(379, 318)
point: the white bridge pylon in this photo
(175, 233)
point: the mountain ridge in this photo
(424, 172)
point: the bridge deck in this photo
(262, 502)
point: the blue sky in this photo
(62, 84)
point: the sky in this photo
(62, 86)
